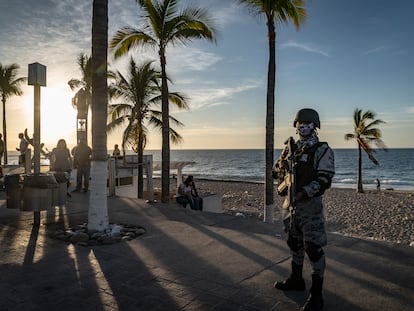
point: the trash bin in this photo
(13, 190)
(37, 192)
(60, 193)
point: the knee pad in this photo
(294, 244)
(315, 252)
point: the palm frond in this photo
(364, 143)
(175, 137)
(9, 83)
(75, 83)
(115, 123)
(368, 115)
(128, 38)
(179, 100)
(176, 122)
(282, 11)
(374, 123)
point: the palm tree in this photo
(164, 23)
(83, 97)
(282, 11)
(9, 86)
(365, 133)
(85, 65)
(98, 205)
(140, 91)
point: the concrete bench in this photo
(212, 203)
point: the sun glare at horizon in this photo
(58, 117)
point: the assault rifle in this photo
(289, 182)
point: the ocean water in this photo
(396, 169)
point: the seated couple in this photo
(187, 194)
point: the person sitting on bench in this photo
(187, 194)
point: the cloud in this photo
(123, 13)
(410, 109)
(185, 58)
(306, 47)
(375, 50)
(226, 15)
(203, 98)
(52, 33)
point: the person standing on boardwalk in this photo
(82, 162)
(61, 160)
(22, 148)
(116, 153)
(304, 171)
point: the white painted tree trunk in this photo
(98, 210)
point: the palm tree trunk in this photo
(4, 129)
(165, 154)
(270, 111)
(359, 179)
(98, 209)
(140, 173)
(140, 159)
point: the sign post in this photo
(37, 78)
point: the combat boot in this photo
(294, 282)
(315, 300)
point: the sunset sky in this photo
(347, 54)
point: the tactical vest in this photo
(306, 166)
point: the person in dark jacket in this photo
(82, 154)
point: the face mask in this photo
(305, 130)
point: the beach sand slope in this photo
(377, 215)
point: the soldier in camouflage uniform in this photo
(314, 169)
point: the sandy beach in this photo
(377, 215)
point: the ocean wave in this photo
(346, 180)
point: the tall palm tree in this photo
(365, 133)
(9, 86)
(275, 11)
(164, 23)
(83, 97)
(140, 91)
(98, 208)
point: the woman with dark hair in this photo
(60, 159)
(187, 194)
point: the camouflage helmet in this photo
(309, 115)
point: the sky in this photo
(346, 55)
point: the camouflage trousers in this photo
(306, 224)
